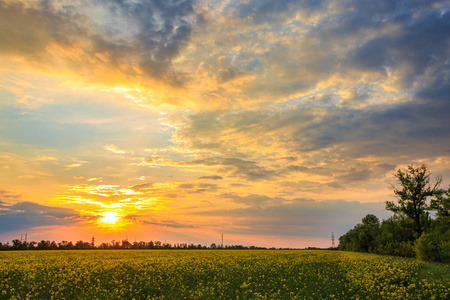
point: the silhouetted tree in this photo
(32, 245)
(16, 244)
(43, 245)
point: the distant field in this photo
(217, 274)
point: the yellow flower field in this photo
(217, 274)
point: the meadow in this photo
(217, 274)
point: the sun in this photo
(110, 218)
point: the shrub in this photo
(434, 245)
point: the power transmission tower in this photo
(93, 241)
(332, 240)
(222, 240)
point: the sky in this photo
(276, 123)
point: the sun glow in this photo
(110, 218)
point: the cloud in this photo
(190, 188)
(298, 217)
(212, 177)
(8, 195)
(252, 200)
(142, 187)
(115, 149)
(45, 158)
(421, 45)
(269, 11)
(251, 142)
(128, 37)
(27, 215)
(234, 167)
(171, 224)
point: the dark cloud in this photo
(142, 187)
(26, 215)
(422, 43)
(269, 11)
(8, 195)
(212, 177)
(198, 187)
(310, 170)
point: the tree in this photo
(413, 193)
(363, 237)
(369, 234)
(43, 245)
(442, 204)
(396, 237)
(17, 244)
(435, 244)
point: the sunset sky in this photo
(275, 123)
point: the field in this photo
(217, 274)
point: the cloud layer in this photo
(265, 116)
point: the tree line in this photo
(124, 244)
(420, 226)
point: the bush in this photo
(406, 249)
(434, 246)
(397, 248)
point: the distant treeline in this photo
(420, 226)
(125, 244)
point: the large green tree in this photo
(414, 190)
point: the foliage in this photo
(442, 203)
(393, 237)
(396, 237)
(363, 237)
(411, 232)
(413, 194)
(435, 244)
(224, 274)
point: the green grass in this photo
(220, 274)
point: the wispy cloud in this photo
(115, 149)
